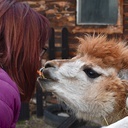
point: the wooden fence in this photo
(25, 112)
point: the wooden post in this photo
(39, 100)
(24, 112)
(65, 48)
(51, 50)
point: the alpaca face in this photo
(90, 87)
(81, 85)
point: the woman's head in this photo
(23, 32)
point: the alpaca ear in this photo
(127, 103)
(123, 74)
(124, 58)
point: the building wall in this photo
(125, 19)
(62, 13)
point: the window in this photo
(101, 14)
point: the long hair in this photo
(23, 32)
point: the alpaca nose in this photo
(50, 64)
(54, 63)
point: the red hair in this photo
(23, 32)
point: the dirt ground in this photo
(33, 122)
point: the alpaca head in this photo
(92, 83)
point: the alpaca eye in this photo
(91, 73)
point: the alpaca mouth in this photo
(46, 79)
(43, 76)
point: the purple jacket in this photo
(9, 101)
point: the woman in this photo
(23, 33)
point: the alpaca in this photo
(93, 83)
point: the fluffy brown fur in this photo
(110, 53)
